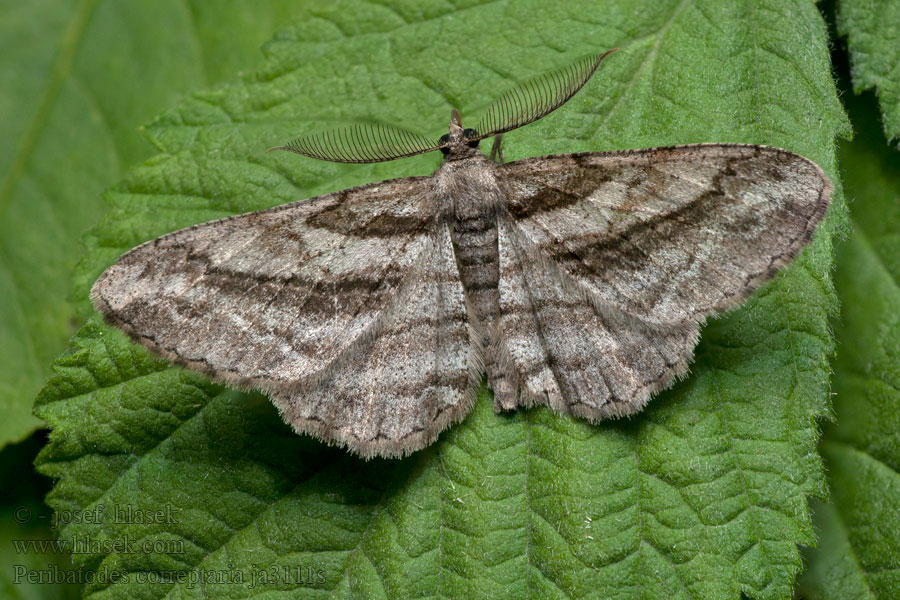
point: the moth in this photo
(576, 281)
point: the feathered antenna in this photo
(537, 98)
(361, 144)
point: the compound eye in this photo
(442, 142)
(470, 134)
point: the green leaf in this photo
(76, 79)
(871, 28)
(702, 495)
(859, 549)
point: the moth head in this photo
(458, 142)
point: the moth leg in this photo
(496, 149)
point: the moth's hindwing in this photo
(610, 261)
